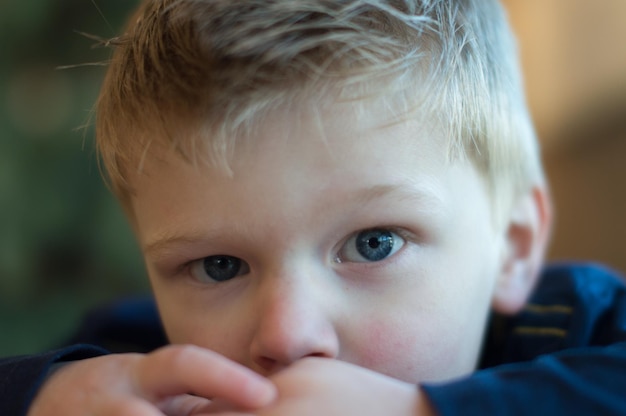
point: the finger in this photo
(176, 370)
(127, 407)
(227, 413)
(220, 406)
(184, 405)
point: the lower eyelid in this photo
(389, 267)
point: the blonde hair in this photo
(191, 73)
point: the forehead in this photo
(324, 134)
(302, 162)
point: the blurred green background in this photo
(64, 244)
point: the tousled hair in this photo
(192, 75)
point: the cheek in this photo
(392, 349)
(382, 344)
(190, 325)
(419, 350)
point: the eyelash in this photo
(192, 267)
(374, 233)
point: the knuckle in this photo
(178, 356)
(127, 407)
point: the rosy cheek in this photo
(387, 349)
(412, 352)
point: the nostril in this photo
(267, 365)
(317, 355)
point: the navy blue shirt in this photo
(564, 354)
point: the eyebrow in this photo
(165, 241)
(424, 195)
(424, 198)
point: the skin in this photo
(149, 385)
(334, 331)
(415, 315)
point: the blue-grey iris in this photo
(374, 245)
(222, 268)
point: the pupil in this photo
(374, 242)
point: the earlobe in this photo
(527, 235)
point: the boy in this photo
(341, 196)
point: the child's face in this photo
(355, 241)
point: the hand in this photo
(320, 386)
(149, 385)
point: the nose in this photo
(294, 321)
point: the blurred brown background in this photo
(65, 246)
(574, 60)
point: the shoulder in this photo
(578, 284)
(582, 299)
(594, 300)
(574, 305)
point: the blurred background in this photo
(65, 245)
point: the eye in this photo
(218, 268)
(371, 245)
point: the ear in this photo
(526, 238)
